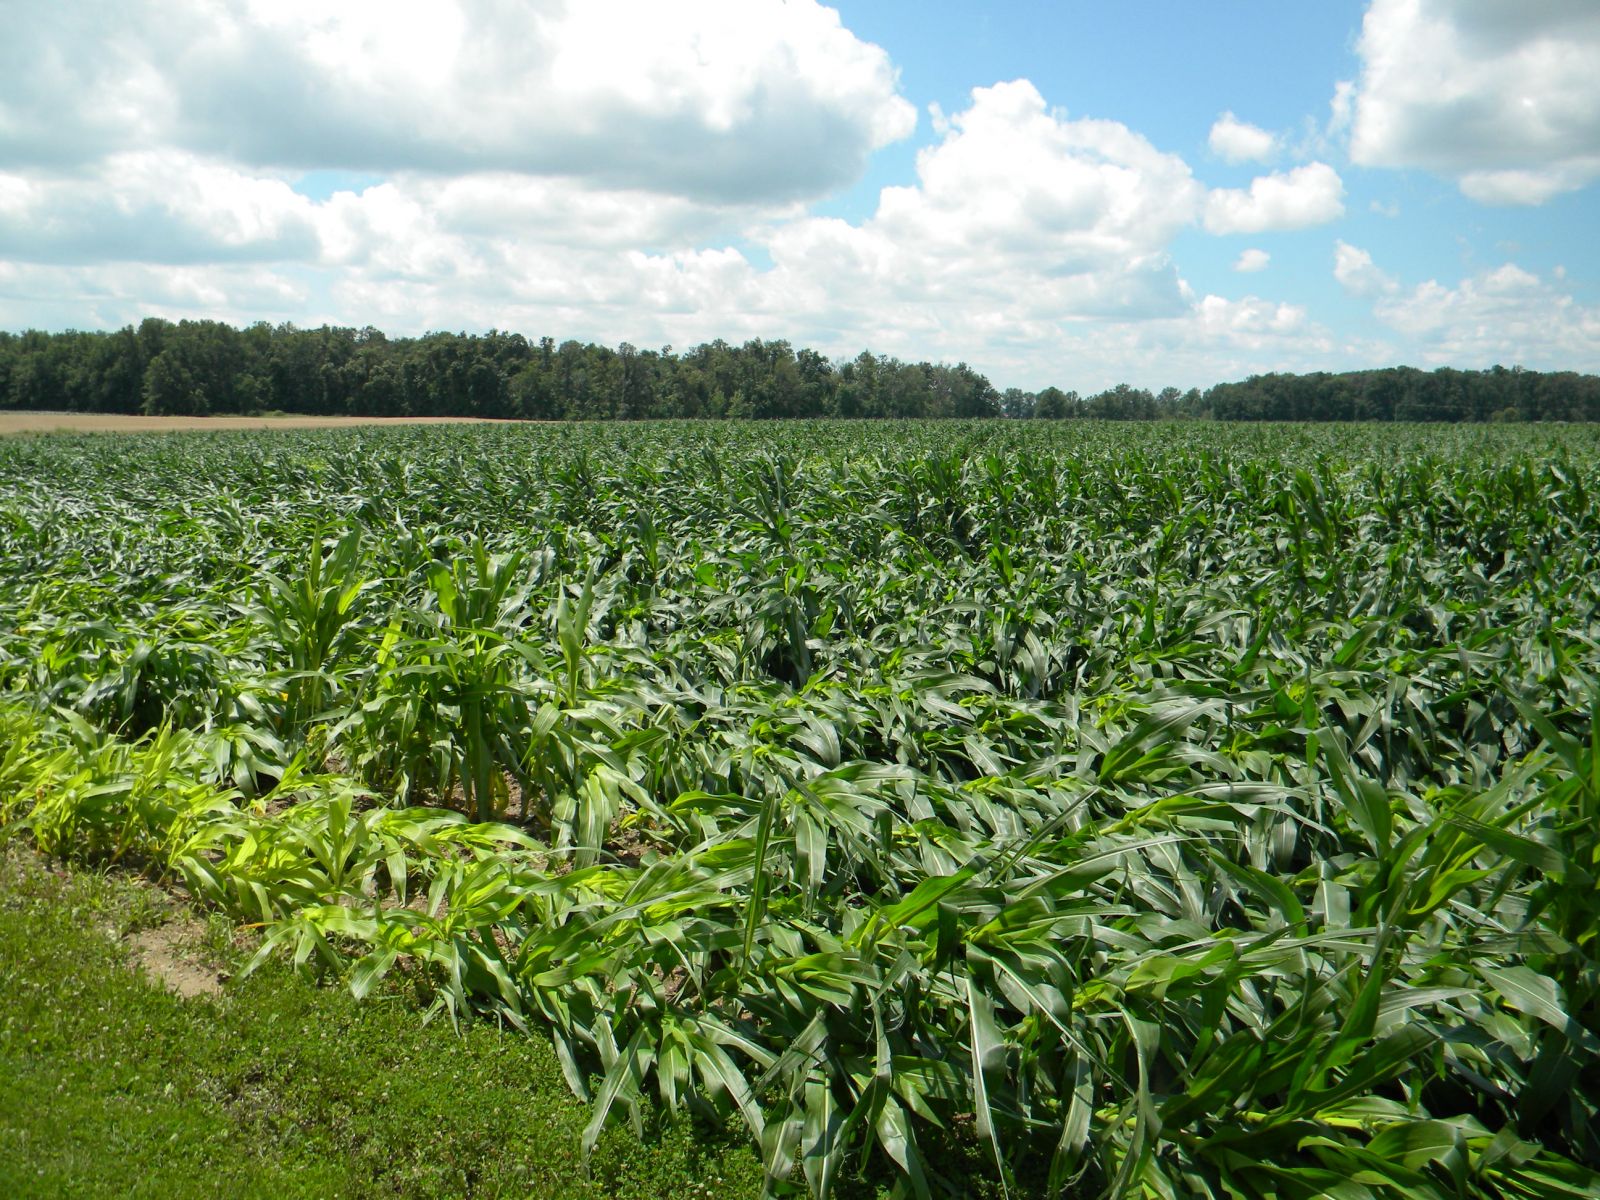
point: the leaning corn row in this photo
(1213, 819)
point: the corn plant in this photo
(1131, 811)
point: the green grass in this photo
(115, 1087)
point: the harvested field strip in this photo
(13, 422)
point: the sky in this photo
(1076, 193)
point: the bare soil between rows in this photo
(77, 422)
(170, 954)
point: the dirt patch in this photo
(57, 422)
(169, 953)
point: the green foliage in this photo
(1161, 812)
(199, 368)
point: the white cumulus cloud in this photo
(156, 207)
(1504, 98)
(1341, 107)
(1252, 260)
(1297, 199)
(1358, 274)
(722, 100)
(1506, 315)
(1017, 211)
(1252, 319)
(108, 295)
(1529, 185)
(1020, 219)
(1236, 141)
(1030, 243)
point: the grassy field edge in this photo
(116, 1086)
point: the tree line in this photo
(208, 367)
(195, 368)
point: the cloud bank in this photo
(624, 170)
(729, 101)
(1503, 98)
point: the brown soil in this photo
(54, 422)
(170, 954)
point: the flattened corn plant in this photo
(1163, 811)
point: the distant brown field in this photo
(58, 422)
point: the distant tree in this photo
(1054, 405)
(817, 383)
(1017, 404)
(170, 388)
(211, 367)
(1122, 403)
(858, 394)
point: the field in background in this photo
(1145, 810)
(12, 422)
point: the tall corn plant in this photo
(311, 618)
(447, 700)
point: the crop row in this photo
(1177, 811)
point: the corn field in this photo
(1164, 811)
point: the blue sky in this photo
(1169, 69)
(1070, 193)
